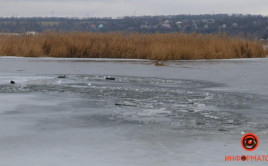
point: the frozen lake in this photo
(184, 113)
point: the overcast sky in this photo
(117, 8)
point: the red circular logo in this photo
(249, 142)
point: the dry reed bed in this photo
(172, 46)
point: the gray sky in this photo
(116, 8)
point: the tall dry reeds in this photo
(172, 46)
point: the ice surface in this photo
(12, 102)
(185, 113)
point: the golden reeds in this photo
(172, 46)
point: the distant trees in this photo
(247, 25)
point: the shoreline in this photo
(129, 60)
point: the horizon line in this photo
(118, 17)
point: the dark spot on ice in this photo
(223, 129)
(110, 78)
(12, 82)
(62, 76)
